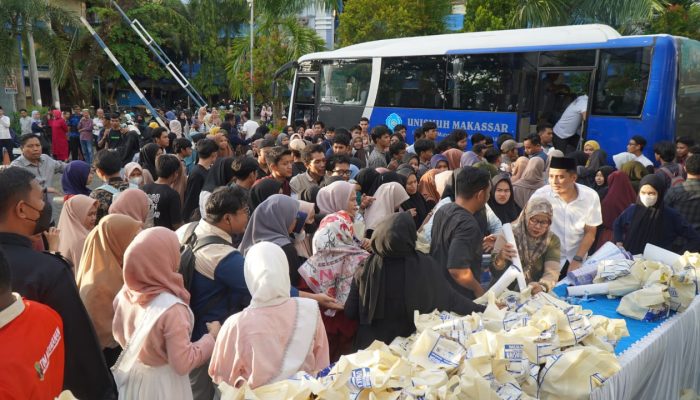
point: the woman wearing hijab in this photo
(368, 179)
(590, 147)
(220, 174)
(153, 322)
(416, 204)
(262, 191)
(389, 198)
(59, 138)
(635, 171)
(99, 275)
(518, 168)
(282, 140)
(133, 172)
(620, 195)
(538, 247)
(133, 203)
(601, 180)
(579, 157)
(531, 180)
(586, 175)
(77, 218)
(274, 220)
(147, 159)
(428, 188)
(650, 221)
(276, 336)
(502, 201)
(336, 256)
(394, 282)
(76, 178)
(439, 162)
(175, 127)
(453, 157)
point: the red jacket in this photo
(31, 344)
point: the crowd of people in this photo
(226, 250)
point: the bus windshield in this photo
(345, 82)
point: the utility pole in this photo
(252, 82)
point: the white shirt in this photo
(97, 126)
(645, 161)
(26, 124)
(5, 127)
(570, 218)
(249, 128)
(570, 120)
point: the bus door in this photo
(304, 109)
(562, 77)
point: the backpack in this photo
(191, 244)
(675, 180)
(114, 191)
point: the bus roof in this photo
(452, 43)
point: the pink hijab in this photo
(518, 168)
(388, 197)
(145, 275)
(334, 197)
(132, 203)
(71, 225)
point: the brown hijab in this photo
(99, 275)
(427, 186)
(518, 169)
(453, 157)
(133, 203)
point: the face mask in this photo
(43, 221)
(136, 181)
(647, 199)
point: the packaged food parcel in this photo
(648, 304)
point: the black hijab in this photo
(647, 222)
(220, 174)
(578, 156)
(425, 285)
(368, 179)
(508, 212)
(262, 190)
(586, 174)
(147, 158)
(415, 200)
(602, 191)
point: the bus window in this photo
(621, 84)
(306, 90)
(490, 82)
(345, 82)
(688, 100)
(569, 58)
(415, 82)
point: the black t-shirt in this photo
(195, 183)
(114, 138)
(166, 201)
(456, 243)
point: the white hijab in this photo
(266, 274)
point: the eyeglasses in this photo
(344, 172)
(543, 223)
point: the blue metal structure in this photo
(162, 57)
(125, 74)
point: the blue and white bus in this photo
(508, 82)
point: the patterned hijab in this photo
(529, 248)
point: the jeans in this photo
(86, 146)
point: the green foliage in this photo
(488, 15)
(680, 19)
(366, 20)
(276, 43)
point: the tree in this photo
(488, 15)
(366, 20)
(277, 41)
(41, 19)
(627, 16)
(680, 19)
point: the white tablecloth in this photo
(662, 364)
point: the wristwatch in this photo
(578, 258)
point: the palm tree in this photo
(277, 42)
(627, 16)
(39, 20)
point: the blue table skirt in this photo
(606, 307)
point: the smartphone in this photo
(358, 198)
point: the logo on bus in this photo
(392, 120)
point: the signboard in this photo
(487, 123)
(11, 85)
(454, 22)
